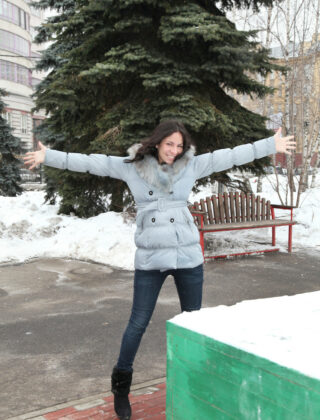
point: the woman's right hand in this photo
(33, 159)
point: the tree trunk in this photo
(247, 184)
(117, 196)
(314, 172)
(259, 184)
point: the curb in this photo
(93, 400)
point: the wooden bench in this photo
(237, 211)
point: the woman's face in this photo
(170, 147)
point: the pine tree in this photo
(119, 67)
(9, 164)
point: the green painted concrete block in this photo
(208, 379)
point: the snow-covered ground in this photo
(285, 330)
(31, 229)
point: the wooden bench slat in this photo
(226, 206)
(263, 209)
(258, 214)
(210, 210)
(237, 202)
(243, 206)
(248, 210)
(232, 207)
(203, 208)
(221, 208)
(216, 209)
(196, 212)
(253, 207)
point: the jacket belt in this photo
(161, 205)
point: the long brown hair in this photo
(162, 130)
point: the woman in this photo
(160, 173)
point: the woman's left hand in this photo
(284, 144)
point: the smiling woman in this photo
(168, 136)
(170, 148)
(160, 173)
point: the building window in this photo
(7, 116)
(24, 123)
(14, 14)
(14, 43)
(35, 123)
(15, 73)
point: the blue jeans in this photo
(147, 286)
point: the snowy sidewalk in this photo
(148, 402)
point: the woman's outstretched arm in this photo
(96, 164)
(33, 159)
(224, 159)
(284, 144)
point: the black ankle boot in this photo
(121, 382)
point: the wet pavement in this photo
(61, 323)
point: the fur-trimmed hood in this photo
(161, 176)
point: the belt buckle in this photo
(161, 204)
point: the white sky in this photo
(295, 17)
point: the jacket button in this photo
(150, 192)
(172, 220)
(153, 220)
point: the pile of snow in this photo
(30, 229)
(285, 330)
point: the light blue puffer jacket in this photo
(166, 236)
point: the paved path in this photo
(61, 322)
(148, 402)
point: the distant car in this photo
(297, 171)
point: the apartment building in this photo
(18, 55)
(296, 98)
